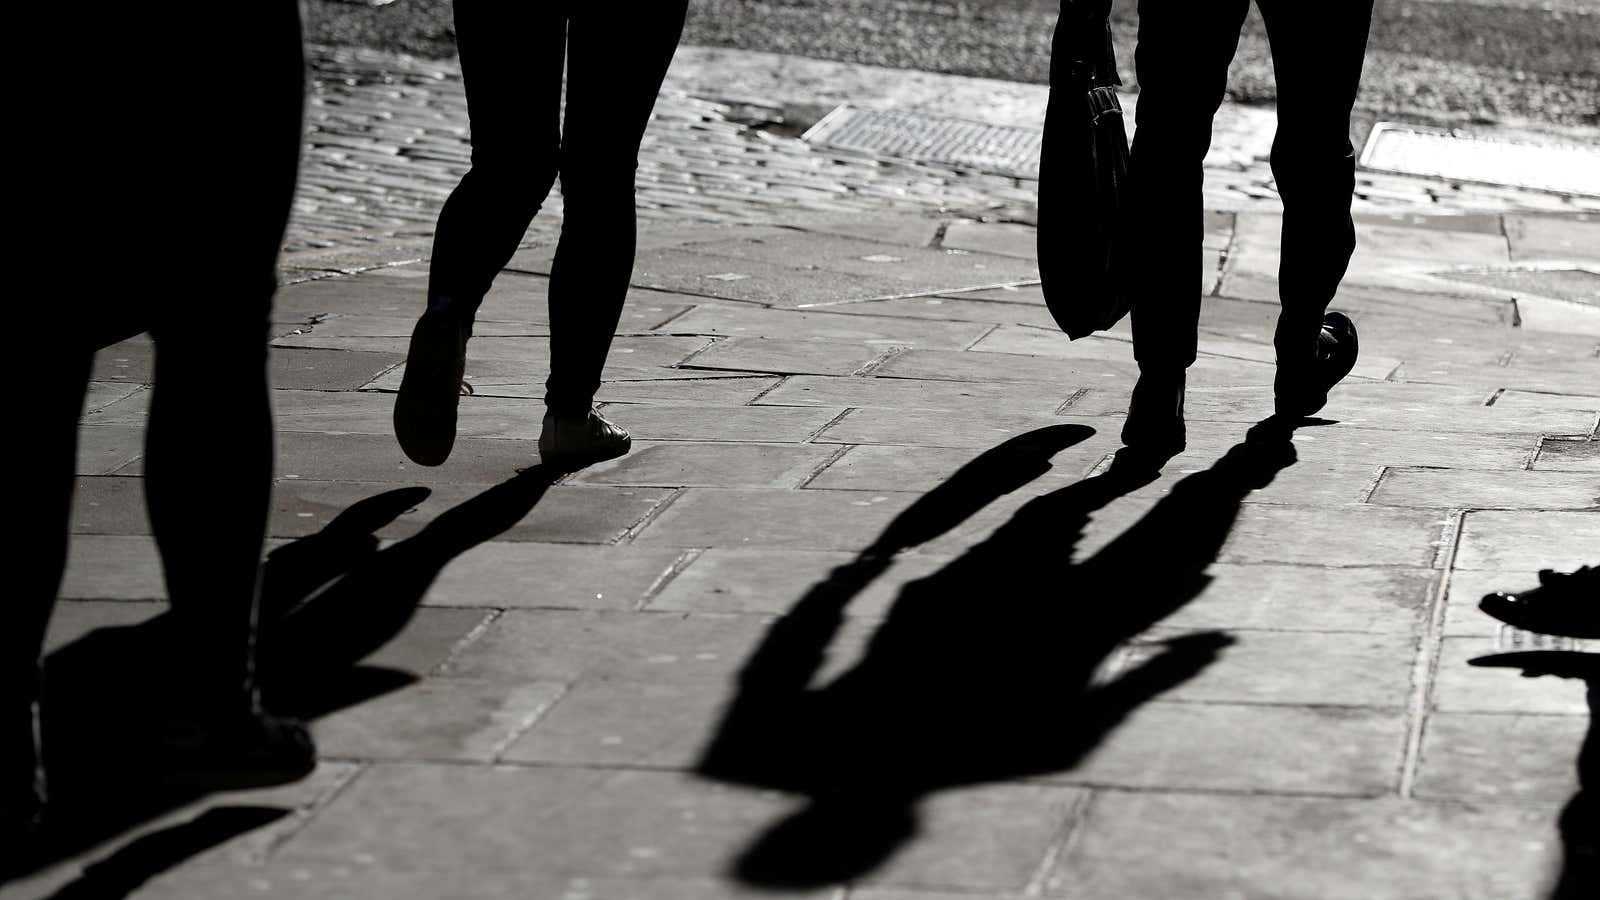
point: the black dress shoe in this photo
(1301, 386)
(1154, 426)
(431, 387)
(1564, 604)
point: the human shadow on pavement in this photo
(983, 671)
(329, 600)
(1580, 819)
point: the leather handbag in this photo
(1082, 170)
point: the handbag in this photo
(1083, 165)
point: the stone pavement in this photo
(1290, 713)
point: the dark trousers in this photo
(512, 51)
(1182, 60)
(159, 232)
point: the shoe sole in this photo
(430, 392)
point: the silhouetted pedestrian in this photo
(511, 60)
(181, 239)
(1182, 62)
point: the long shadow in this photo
(1580, 820)
(328, 601)
(983, 671)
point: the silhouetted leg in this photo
(46, 461)
(1317, 53)
(618, 58)
(1182, 62)
(511, 60)
(209, 445)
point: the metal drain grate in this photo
(1409, 150)
(998, 149)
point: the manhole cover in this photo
(1000, 149)
(1563, 284)
(1410, 150)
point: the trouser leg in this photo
(1317, 54)
(614, 74)
(1182, 63)
(511, 61)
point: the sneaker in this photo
(1301, 388)
(236, 750)
(1564, 604)
(425, 410)
(574, 443)
(1155, 416)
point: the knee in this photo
(1312, 155)
(523, 179)
(604, 181)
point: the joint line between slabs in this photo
(1372, 488)
(684, 560)
(526, 725)
(782, 380)
(821, 467)
(649, 517)
(467, 640)
(991, 330)
(1426, 666)
(304, 815)
(878, 361)
(810, 438)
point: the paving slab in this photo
(1309, 598)
(827, 326)
(526, 574)
(71, 620)
(1568, 456)
(1003, 238)
(1272, 846)
(718, 389)
(757, 281)
(753, 424)
(1005, 305)
(275, 812)
(113, 567)
(689, 464)
(1464, 688)
(1550, 238)
(296, 368)
(1509, 758)
(571, 645)
(1528, 541)
(1284, 667)
(104, 449)
(102, 394)
(903, 394)
(920, 269)
(440, 719)
(800, 520)
(1290, 749)
(789, 357)
(772, 581)
(1488, 490)
(566, 514)
(880, 467)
